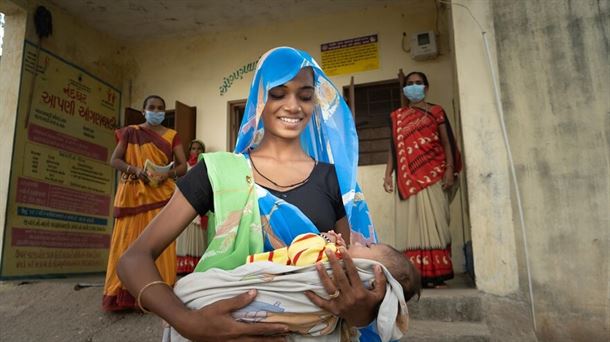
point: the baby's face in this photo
(372, 251)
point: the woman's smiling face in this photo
(289, 106)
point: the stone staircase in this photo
(461, 313)
(447, 315)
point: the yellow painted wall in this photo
(552, 59)
(72, 40)
(191, 70)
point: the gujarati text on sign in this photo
(350, 55)
(59, 214)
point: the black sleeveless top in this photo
(319, 198)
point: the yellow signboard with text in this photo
(59, 213)
(350, 55)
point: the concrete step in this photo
(436, 331)
(447, 305)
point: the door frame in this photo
(233, 121)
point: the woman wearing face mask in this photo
(137, 202)
(426, 161)
(192, 242)
(293, 172)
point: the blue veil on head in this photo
(330, 137)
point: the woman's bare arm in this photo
(388, 186)
(449, 177)
(136, 268)
(180, 163)
(117, 161)
(342, 227)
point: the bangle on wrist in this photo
(128, 167)
(139, 300)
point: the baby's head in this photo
(397, 264)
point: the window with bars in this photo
(372, 105)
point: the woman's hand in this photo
(142, 175)
(351, 300)
(388, 185)
(448, 178)
(215, 323)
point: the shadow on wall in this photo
(2, 23)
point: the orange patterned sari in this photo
(135, 205)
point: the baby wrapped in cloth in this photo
(281, 298)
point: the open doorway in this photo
(372, 103)
(235, 114)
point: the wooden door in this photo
(133, 117)
(185, 123)
(236, 114)
(402, 80)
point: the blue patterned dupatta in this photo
(329, 137)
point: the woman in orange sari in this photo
(141, 194)
(426, 160)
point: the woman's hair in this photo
(313, 73)
(420, 74)
(153, 97)
(196, 141)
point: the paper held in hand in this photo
(156, 173)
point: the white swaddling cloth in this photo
(281, 298)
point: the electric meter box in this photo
(423, 45)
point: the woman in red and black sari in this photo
(426, 161)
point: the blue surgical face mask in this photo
(414, 92)
(154, 118)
